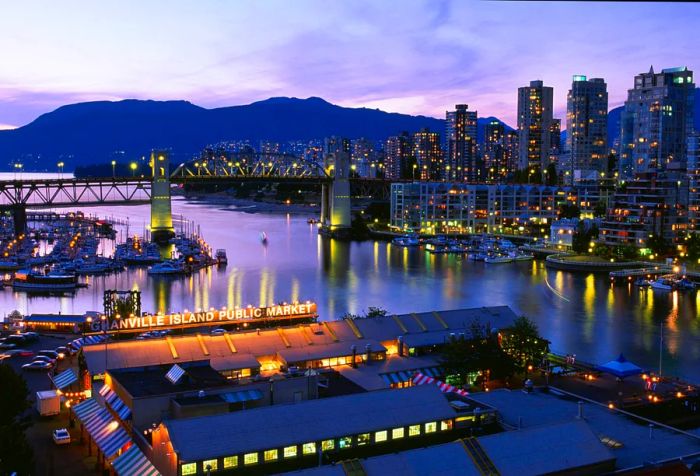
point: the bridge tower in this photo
(335, 197)
(161, 216)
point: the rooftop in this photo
(540, 409)
(150, 380)
(68, 318)
(283, 425)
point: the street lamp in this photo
(414, 171)
(133, 166)
(114, 168)
(60, 168)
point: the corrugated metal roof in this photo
(57, 318)
(133, 463)
(282, 425)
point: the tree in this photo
(370, 313)
(15, 452)
(523, 342)
(600, 209)
(657, 244)
(551, 174)
(569, 210)
(479, 353)
(692, 247)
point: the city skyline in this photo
(422, 59)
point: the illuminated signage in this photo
(207, 318)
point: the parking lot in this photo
(50, 458)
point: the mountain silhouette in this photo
(97, 132)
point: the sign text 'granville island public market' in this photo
(215, 317)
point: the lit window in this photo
(445, 425)
(271, 455)
(250, 458)
(210, 464)
(290, 452)
(230, 462)
(414, 430)
(363, 439)
(308, 448)
(397, 433)
(380, 436)
(188, 468)
(327, 445)
(431, 427)
(345, 442)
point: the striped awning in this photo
(110, 438)
(64, 379)
(86, 409)
(87, 340)
(242, 396)
(133, 463)
(406, 375)
(175, 374)
(421, 379)
(115, 403)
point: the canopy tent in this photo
(620, 367)
(422, 379)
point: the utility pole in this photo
(661, 346)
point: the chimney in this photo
(368, 351)
(353, 348)
(400, 341)
(580, 410)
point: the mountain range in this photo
(97, 132)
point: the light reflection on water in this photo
(580, 313)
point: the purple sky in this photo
(418, 57)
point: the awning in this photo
(111, 438)
(87, 340)
(86, 409)
(421, 379)
(64, 379)
(115, 403)
(406, 375)
(621, 367)
(133, 463)
(242, 396)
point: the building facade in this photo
(587, 124)
(535, 109)
(656, 122)
(397, 157)
(458, 208)
(428, 156)
(461, 134)
(694, 182)
(499, 152)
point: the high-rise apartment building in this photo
(587, 124)
(656, 122)
(363, 158)
(535, 104)
(428, 155)
(461, 163)
(499, 152)
(397, 157)
(694, 182)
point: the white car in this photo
(61, 436)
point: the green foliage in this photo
(370, 313)
(477, 352)
(551, 175)
(523, 342)
(15, 453)
(569, 210)
(600, 209)
(582, 238)
(692, 245)
(657, 244)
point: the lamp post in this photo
(133, 166)
(60, 169)
(414, 171)
(104, 331)
(114, 168)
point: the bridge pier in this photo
(161, 214)
(335, 197)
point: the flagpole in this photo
(661, 346)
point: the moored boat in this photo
(28, 280)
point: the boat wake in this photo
(556, 293)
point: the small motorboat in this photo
(167, 268)
(263, 237)
(220, 257)
(492, 259)
(406, 240)
(642, 283)
(662, 284)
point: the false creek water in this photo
(579, 313)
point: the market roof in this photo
(539, 409)
(550, 449)
(151, 380)
(333, 336)
(56, 318)
(283, 425)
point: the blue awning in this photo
(406, 375)
(110, 438)
(86, 409)
(87, 340)
(242, 396)
(115, 403)
(64, 379)
(133, 463)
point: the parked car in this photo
(7, 344)
(61, 436)
(43, 358)
(218, 331)
(19, 353)
(63, 352)
(49, 353)
(30, 336)
(37, 365)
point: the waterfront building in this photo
(428, 155)
(443, 207)
(561, 232)
(656, 122)
(694, 182)
(461, 134)
(651, 204)
(587, 124)
(535, 109)
(398, 161)
(64, 323)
